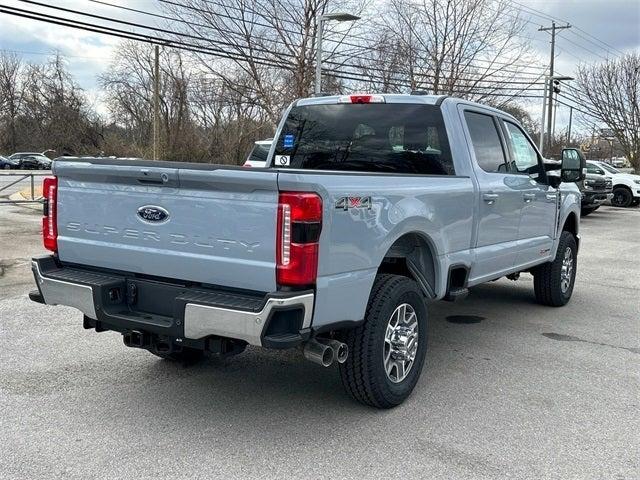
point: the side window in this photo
(593, 169)
(486, 142)
(525, 157)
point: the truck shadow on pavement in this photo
(245, 386)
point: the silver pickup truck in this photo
(372, 206)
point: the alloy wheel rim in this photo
(400, 343)
(566, 272)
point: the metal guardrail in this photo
(22, 177)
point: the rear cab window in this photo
(485, 139)
(385, 137)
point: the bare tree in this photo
(467, 48)
(269, 45)
(11, 98)
(231, 120)
(43, 108)
(612, 91)
(129, 91)
(203, 117)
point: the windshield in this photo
(609, 168)
(259, 153)
(401, 138)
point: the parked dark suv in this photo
(595, 189)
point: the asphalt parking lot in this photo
(511, 389)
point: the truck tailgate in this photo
(188, 222)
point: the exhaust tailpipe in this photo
(340, 349)
(318, 352)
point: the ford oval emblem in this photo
(153, 214)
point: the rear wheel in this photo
(387, 352)
(622, 197)
(553, 281)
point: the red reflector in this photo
(297, 263)
(50, 219)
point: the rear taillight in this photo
(299, 225)
(50, 218)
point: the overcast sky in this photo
(614, 22)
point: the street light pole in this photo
(317, 87)
(338, 17)
(569, 129)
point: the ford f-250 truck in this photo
(373, 206)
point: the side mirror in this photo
(574, 165)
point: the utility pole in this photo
(544, 112)
(553, 28)
(569, 130)
(156, 101)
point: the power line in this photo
(582, 47)
(547, 17)
(156, 40)
(125, 35)
(253, 22)
(476, 83)
(25, 52)
(191, 24)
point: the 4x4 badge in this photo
(345, 203)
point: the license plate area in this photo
(155, 298)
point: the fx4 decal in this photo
(345, 203)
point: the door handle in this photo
(490, 198)
(529, 197)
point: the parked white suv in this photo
(626, 186)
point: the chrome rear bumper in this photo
(200, 312)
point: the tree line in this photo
(212, 107)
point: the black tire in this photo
(588, 210)
(186, 355)
(363, 374)
(548, 280)
(622, 197)
(636, 202)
